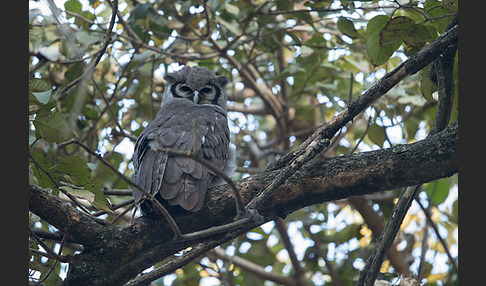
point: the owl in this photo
(192, 117)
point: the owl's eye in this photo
(207, 89)
(185, 87)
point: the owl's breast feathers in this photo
(178, 179)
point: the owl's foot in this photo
(252, 214)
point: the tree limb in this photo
(91, 67)
(254, 268)
(125, 250)
(299, 274)
(446, 94)
(414, 64)
(81, 227)
(376, 224)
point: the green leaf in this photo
(436, 10)
(44, 163)
(451, 5)
(52, 126)
(43, 96)
(81, 22)
(395, 30)
(233, 27)
(420, 35)
(455, 208)
(37, 85)
(232, 9)
(377, 54)
(427, 87)
(80, 193)
(73, 6)
(104, 176)
(437, 192)
(100, 201)
(73, 170)
(94, 3)
(51, 52)
(39, 91)
(346, 27)
(377, 134)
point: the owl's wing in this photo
(181, 180)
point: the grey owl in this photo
(193, 105)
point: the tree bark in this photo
(114, 254)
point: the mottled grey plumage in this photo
(194, 104)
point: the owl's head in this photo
(197, 84)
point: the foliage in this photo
(292, 65)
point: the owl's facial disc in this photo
(209, 94)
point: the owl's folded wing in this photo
(178, 179)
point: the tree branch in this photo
(254, 268)
(81, 227)
(128, 249)
(376, 224)
(428, 216)
(336, 279)
(299, 274)
(414, 64)
(446, 94)
(90, 69)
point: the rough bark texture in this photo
(114, 254)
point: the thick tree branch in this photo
(80, 227)
(126, 250)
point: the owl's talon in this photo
(251, 214)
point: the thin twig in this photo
(284, 236)
(117, 192)
(421, 268)
(362, 136)
(149, 196)
(312, 150)
(173, 264)
(123, 213)
(110, 111)
(215, 230)
(437, 233)
(57, 185)
(253, 268)
(115, 207)
(49, 252)
(90, 69)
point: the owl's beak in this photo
(195, 98)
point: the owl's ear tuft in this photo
(170, 78)
(222, 80)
